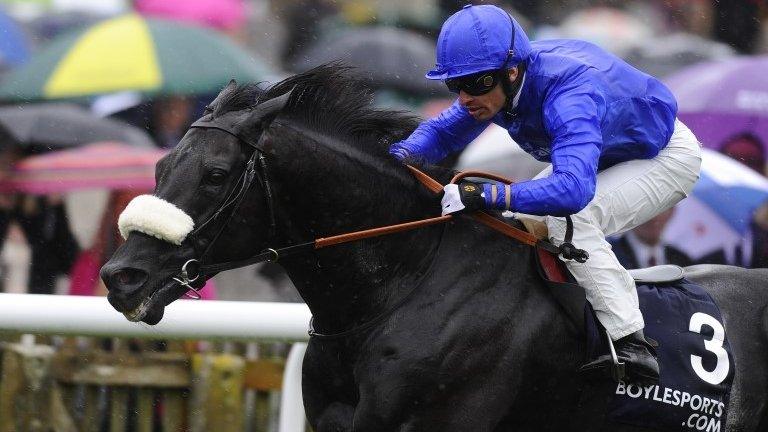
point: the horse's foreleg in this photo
(329, 394)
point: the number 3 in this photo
(714, 345)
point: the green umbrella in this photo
(133, 53)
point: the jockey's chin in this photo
(483, 107)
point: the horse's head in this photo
(201, 188)
(305, 159)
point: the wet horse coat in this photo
(451, 327)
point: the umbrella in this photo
(718, 213)
(37, 127)
(14, 48)
(386, 57)
(131, 53)
(220, 14)
(720, 100)
(100, 165)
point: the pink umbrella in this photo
(110, 165)
(218, 14)
(724, 100)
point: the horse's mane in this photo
(329, 99)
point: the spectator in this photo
(747, 149)
(752, 252)
(691, 16)
(54, 248)
(643, 247)
(45, 226)
(737, 23)
(759, 227)
(171, 117)
(8, 156)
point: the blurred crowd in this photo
(63, 68)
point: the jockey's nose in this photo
(464, 98)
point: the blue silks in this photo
(580, 107)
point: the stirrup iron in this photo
(618, 368)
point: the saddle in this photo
(572, 297)
(555, 274)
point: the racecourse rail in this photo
(183, 319)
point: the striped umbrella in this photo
(110, 165)
(133, 53)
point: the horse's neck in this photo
(348, 284)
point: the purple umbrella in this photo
(724, 99)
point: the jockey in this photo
(618, 154)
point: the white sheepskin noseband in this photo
(156, 217)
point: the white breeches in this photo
(627, 195)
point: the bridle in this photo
(233, 201)
(253, 170)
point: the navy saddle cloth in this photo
(695, 360)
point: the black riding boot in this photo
(638, 356)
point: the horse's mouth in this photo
(151, 309)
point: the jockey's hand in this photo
(463, 197)
(398, 152)
(406, 158)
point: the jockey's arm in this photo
(572, 121)
(451, 131)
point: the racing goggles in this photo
(476, 84)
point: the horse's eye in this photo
(216, 177)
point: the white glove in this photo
(451, 201)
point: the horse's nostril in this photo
(127, 279)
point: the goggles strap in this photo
(511, 88)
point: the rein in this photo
(273, 255)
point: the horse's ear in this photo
(225, 92)
(265, 112)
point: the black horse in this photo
(445, 328)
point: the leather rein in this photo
(274, 254)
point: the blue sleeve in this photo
(572, 120)
(451, 131)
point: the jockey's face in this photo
(484, 107)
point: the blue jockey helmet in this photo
(477, 39)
